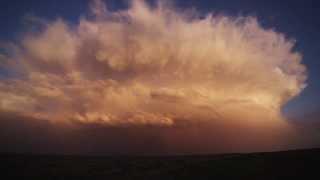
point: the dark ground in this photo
(302, 164)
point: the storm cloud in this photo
(155, 66)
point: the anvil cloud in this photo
(152, 66)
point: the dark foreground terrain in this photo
(302, 164)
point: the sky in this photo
(229, 76)
(296, 19)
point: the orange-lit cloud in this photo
(153, 66)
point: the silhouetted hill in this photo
(302, 164)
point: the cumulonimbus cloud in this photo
(152, 65)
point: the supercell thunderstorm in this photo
(152, 66)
